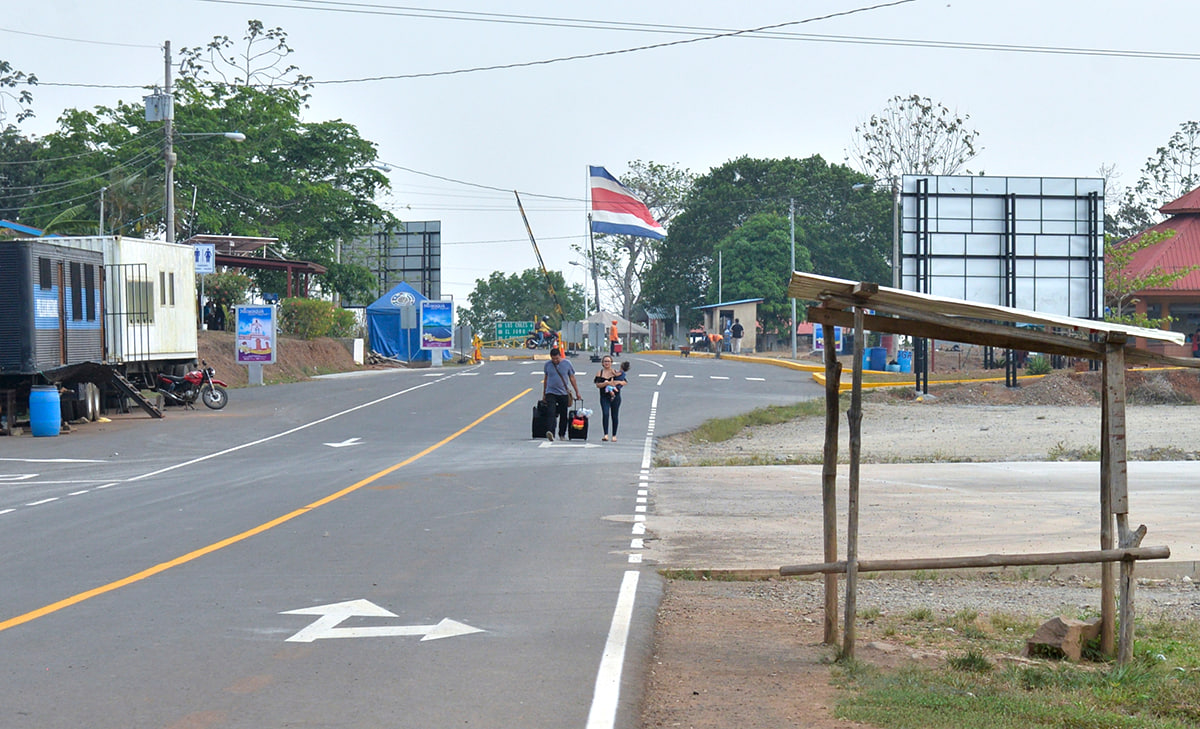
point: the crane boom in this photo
(549, 284)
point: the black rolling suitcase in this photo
(541, 419)
(577, 425)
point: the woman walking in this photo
(610, 382)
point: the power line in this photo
(77, 40)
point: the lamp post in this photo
(170, 163)
(586, 310)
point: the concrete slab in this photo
(763, 517)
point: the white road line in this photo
(717, 377)
(683, 377)
(647, 374)
(6, 511)
(637, 544)
(603, 713)
(635, 559)
(106, 485)
(43, 501)
(640, 499)
(505, 374)
(468, 374)
(77, 493)
(639, 528)
(640, 509)
(433, 374)
(756, 379)
(661, 377)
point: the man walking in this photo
(555, 376)
(737, 331)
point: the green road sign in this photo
(510, 329)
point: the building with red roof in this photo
(1181, 299)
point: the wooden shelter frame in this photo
(844, 303)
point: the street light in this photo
(170, 164)
(586, 310)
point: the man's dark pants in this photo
(558, 411)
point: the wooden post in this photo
(1114, 494)
(1118, 483)
(833, 380)
(855, 418)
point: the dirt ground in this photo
(297, 359)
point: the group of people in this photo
(559, 379)
(214, 316)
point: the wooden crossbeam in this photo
(981, 560)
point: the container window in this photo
(89, 290)
(140, 301)
(171, 276)
(162, 287)
(76, 289)
(45, 277)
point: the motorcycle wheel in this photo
(531, 343)
(213, 396)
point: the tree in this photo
(914, 135)
(308, 184)
(755, 260)
(1121, 284)
(622, 260)
(1173, 170)
(845, 232)
(520, 297)
(14, 87)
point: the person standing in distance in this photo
(613, 337)
(737, 331)
(555, 376)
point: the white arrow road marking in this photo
(568, 444)
(343, 444)
(334, 614)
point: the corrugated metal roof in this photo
(811, 287)
(1177, 252)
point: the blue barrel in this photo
(878, 358)
(44, 415)
(905, 360)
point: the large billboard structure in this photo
(1032, 243)
(410, 253)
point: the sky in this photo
(1097, 91)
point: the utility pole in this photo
(792, 225)
(169, 147)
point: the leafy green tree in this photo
(754, 262)
(914, 135)
(623, 260)
(1171, 171)
(1121, 285)
(520, 297)
(308, 184)
(18, 174)
(227, 288)
(845, 232)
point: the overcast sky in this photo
(695, 105)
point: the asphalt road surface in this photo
(380, 550)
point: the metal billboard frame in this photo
(1033, 243)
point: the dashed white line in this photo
(468, 374)
(43, 501)
(683, 377)
(756, 379)
(6, 511)
(77, 493)
(635, 559)
(637, 544)
(639, 528)
(717, 377)
(504, 374)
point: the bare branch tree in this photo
(914, 135)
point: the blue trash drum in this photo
(45, 417)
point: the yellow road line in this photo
(190, 556)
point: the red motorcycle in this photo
(201, 383)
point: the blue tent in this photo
(384, 331)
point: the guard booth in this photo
(717, 316)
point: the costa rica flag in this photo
(616, 210)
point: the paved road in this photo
(279, 563)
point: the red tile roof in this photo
(1179, 251)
